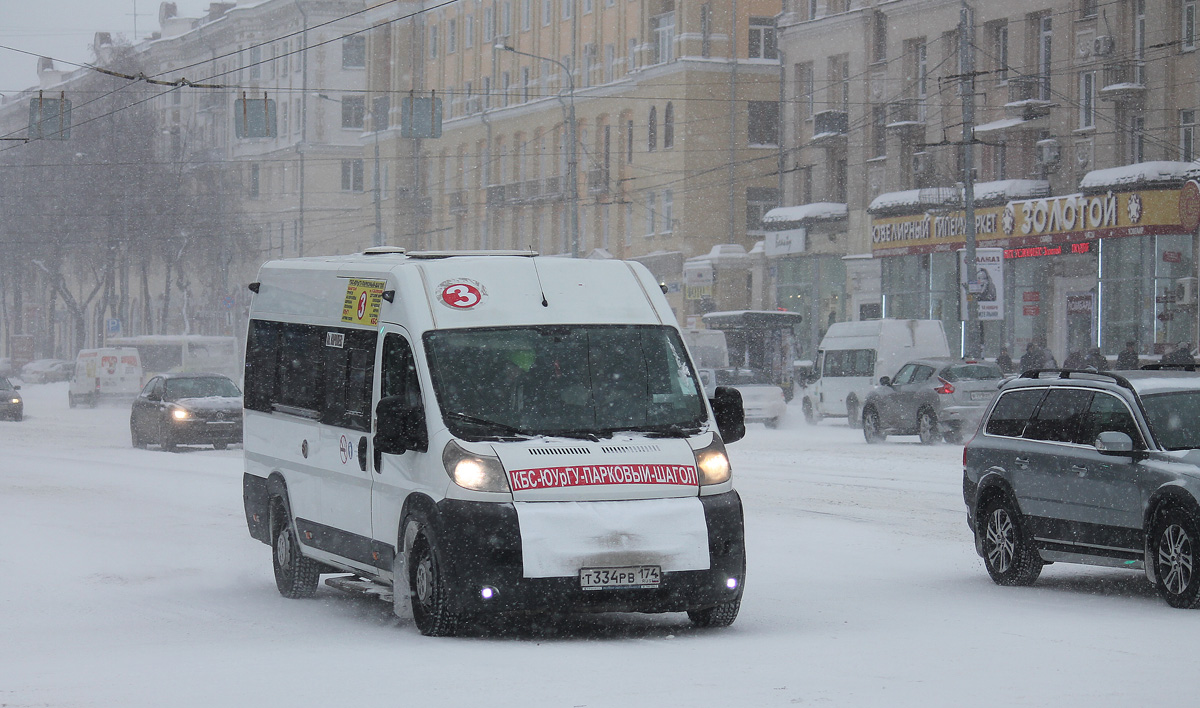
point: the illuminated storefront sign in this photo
(1037, 227)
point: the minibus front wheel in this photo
(431, 596)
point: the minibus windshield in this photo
(577, 381)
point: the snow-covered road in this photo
(129, 580)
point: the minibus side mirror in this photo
(731, 417)
(400, 427)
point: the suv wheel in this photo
(1010, 558)
(872, 429)
(1175, 537)
(927, 427)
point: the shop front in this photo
(1079, 271)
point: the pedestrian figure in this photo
(1096, 360)
(1074, 360)
(1181, 355)
(1128, 358)
(1005, 362)
(1032, 358)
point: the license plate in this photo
(633, 576)
(980, 395)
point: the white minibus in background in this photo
(477, 434)
(185, 353)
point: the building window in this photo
(1045, 68)
(354, 52)
(547, 12)
(837, 181)
(589, 63)
(999, 35)
(763, 122)
(1187, 135)
(380, 108)
(489, 24)
(1087, 99)
(1137, 139)
(451, 36)
(759, 200)
(468, 39)
(1187, 33)
(632, 54)
(255, 181)
(567, 7)
(353, 111)
(352, 175)
(525, 84)
(879, 37)
(505, 18)
(878, 130)
(526, 15)
(587, 7)
(705, 30)
(1087, 8)
(628, 141)
(255, 63)
(433, 41)
(811, 6)
(668, 209)
(610, 60)
(651, 213)
(762, 38)
(669, 126)
(652, 130)
(804, 92)
(663, 27)
(839, 82)
(999, 160)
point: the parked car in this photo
(187, 409)
(1094, 468)
(937, 398)
(47, 371)
(763, 401)
(11, 404)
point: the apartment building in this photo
(673, 108)
(1084, 122)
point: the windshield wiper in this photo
(669, 430)
(490, 424)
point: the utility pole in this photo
(966, 34)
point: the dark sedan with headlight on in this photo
(187, 409)
(11, 405)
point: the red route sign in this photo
(592, 475)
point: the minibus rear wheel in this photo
(296, 576)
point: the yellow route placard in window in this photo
(363, 298)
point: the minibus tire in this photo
(296, 576)
(431, 608)
(720, 616)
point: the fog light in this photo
(487, 593)
(731, 583)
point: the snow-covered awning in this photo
(912, 200)
(1002, 124)
(805, 213)
(1159, 173)
(1007, 190)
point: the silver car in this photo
(937, 398)
(1094, 468)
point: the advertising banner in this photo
(989, 282)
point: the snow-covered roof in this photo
(915, 199)
(1007, 190)
(999, 125)
(1141, 173)
(817, 211)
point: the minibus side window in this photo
(300, 367)
(399, 371)
(349, 374)
(262, 354)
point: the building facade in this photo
(1082, 150)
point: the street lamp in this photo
(572, 158)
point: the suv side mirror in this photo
(1111, 442)
(731, 417)
(885, 381)
(400, 427)
(152, 396)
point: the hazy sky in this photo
(64, 29)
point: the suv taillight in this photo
(946, 386)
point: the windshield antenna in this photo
(541, 289)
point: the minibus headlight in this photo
(480, 473)
(712, 463)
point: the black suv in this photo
(1086, 467)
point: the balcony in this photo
(829, 128)
(552, 187)
(495, 195)
(1124, 81)
(906, 116)
(458, 202)
(597, 181)
(1028, 97)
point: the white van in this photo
(853, 355)
(485, 433)
(113, 373)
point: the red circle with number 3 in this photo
(362, 305)
(461, 296)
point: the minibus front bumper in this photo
(480, 544)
